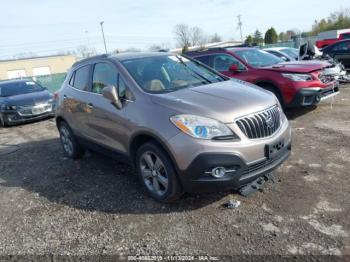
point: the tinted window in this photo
(204, 60)
(346, 36)
(19, 88)
(71, 81)
(104, 75)
(168, 73)
(81, 78)
(223, 62)
(343, 46)
(257, 58)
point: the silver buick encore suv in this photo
(183, 126)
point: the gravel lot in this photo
(53, 205)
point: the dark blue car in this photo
(24, 101)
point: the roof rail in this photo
(90, 58)
(206, 49)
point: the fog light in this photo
(318, 98)
(218, 172)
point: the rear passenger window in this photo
(104, 75)
(223, 62)
(80, 78)
(204, 60)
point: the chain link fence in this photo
(295, 43)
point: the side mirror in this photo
(233, 68)
(111, 93)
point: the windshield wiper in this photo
(192, 71)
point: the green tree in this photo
(283, 37)
(249, 40)
(336, 20)
(257, 38)
(271, 36)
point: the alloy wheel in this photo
(154, 173)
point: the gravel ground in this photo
(96, 206)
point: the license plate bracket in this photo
(272, 150)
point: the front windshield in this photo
(257, 57)
(160, 74)
(19, 88)
(292, 52)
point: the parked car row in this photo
(24, 100)
(294, 83)
(198, 122)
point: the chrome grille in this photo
(261, 124)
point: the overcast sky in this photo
(48, 26)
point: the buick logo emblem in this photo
(269, 121)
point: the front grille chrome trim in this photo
(261, 124)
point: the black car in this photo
(23, 101)
(340, 51)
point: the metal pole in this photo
(103, 35)
(240, 26)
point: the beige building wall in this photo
(56, 64)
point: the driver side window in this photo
(223, 62)
(104, 75)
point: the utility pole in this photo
(240, 26)
(103, 35)
(87, 38)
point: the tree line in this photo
(336, 20)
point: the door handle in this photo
(90, 105)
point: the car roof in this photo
(121, 56)
(218, 49)
(15, 81)
(135, 55)
(240, 48)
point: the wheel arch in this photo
(143, 137)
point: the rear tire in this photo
(157, 174)
(71, 147)
(275, 91)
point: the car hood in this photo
(27, 99)
(297, 66)
(223, 101)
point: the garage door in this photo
(41, 71)
(13, 74)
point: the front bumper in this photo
(13, 117)
(197, 179)
(312, 96)
(245, 159)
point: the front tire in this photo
(157, 174)
(71, 147)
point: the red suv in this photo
(294, 83)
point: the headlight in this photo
(8, 107)
(202, 127)
(298, 77)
